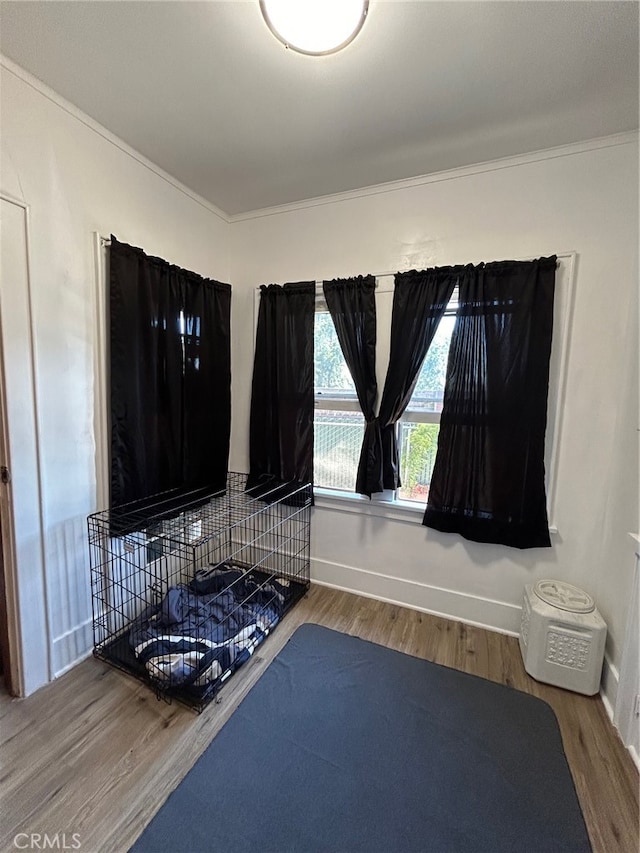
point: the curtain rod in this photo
(396, 272)
(385, 273)
(106, 241)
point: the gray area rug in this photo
(344, 745)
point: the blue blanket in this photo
(202, 631)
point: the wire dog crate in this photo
(184, 592)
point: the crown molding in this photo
(625, 138)
(107, 135)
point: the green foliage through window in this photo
(331, 371)
(417, 457)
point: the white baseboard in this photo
(449, 604)
(609, 686)
(608, 694)
(71, 648)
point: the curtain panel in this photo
(170, 377)
(352, 305)
(419, 301)
(488, 479)
(282, 398)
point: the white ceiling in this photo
(204, 90)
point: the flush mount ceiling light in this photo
(315, 27)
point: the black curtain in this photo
(207, 382)
(419, 301)
(281, 421)
(352, 305)
(488, 478)
(170, 391)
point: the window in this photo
(420, 423)
(170, 398)
(339, 424)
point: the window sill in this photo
(347, 502)
(406, 511)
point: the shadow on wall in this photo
(479, 554)
(483, 554)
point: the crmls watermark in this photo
(44, 841)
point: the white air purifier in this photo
(562, 636)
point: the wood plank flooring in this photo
(96, 754)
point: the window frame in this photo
(344, 403)
(332, 402)
(341, 402)
(414, 416)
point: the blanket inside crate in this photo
(207, 628)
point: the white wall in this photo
(582, 199)
(77, 180)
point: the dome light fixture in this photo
(315, 27)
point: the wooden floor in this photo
(96, 754)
